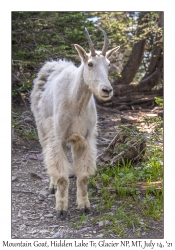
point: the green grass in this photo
(83, 219)
(116, 189)
(159, 101)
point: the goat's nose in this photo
(107, 91)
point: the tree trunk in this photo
(145, 84)
(154, 60)
(156, 51)
(133, 63)
(130, 69)
(151, 78)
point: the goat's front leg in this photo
(82, 193)
(84, 156)
(58, 169)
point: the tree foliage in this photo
(41, 36)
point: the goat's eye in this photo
(109, 65)
(90, 64)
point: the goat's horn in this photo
(93, 53)
(105, 46)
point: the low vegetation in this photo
(130, 195)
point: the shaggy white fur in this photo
(64, 109)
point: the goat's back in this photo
(45, 85)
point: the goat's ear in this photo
(82, 53)
(110, 52)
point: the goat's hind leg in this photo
(53, 185)
(44, 141)
(62, 196)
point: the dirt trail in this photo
(33, 207)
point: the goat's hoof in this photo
(61, 213)
(64, 214)
(88, 210)
(52, 190)
(85, 210)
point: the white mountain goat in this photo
(64, 109)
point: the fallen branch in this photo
(103, 144)
(127, 145)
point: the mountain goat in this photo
(64, 109)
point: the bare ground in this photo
(33, 207)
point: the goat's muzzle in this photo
(106, 93)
